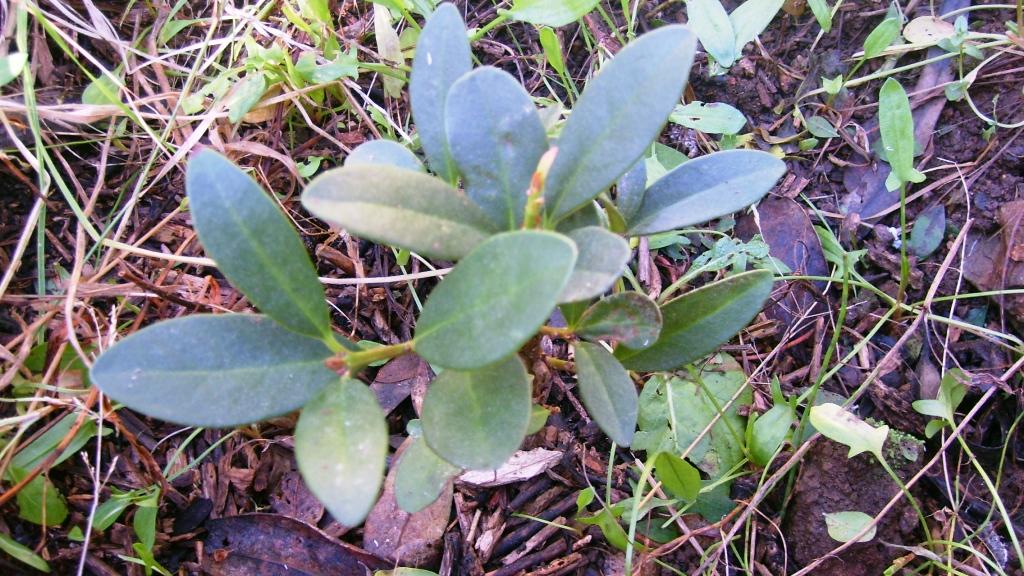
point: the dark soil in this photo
(831, 482)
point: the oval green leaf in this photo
(590, 214)
(881, 37)
(552, 47)
(341, 442)
(630, 189)
(399, 207)
(477, 419)
(601, 259)
(844, 526)
(550, 12)
(627, 317)
(255, 245)
(495, 299)
(421, 476)
(821, 128)
(23, 553)
(842, 426)
(216, 371)
(442, 57)
(386, 152)
(705, 188)
(607, 391)
(696, 323)
(11, 66)
(770, 431)
(896, 127)
(39, 501)
(751, 18)
(709, 117)
(619, 114)
(822, 13)
(496, 138)
(711, 23)
(678, 476)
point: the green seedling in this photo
(842, 426)
(723, 35)
(951, 393)
(822, 13)
(896, 127)
(527, 236)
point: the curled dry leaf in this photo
(523, 465)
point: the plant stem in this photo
(358, 360)
(563, 333)
(498, 21)
(893, 71)
(904, 262)
(633, 519)
(811, 395)
(910, 498)
(993, 489)
(559, 364)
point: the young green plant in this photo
(518, 255)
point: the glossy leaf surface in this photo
(23, 553)
(711, 23)
(39, 501)
(698, 322)
(770, 431)
(607, 391)
(386, 152)
(254, 244)
(751, 18)
(628, 317)
(678, 476)
(550, 12)
(442, 56)
(477, 419)
(341, 442)
(590, 214)
(421, 476)
(216, 371)
(822, 13)
(706, 188)
(896, 127)
(495, 299)
(629, 191)
(601, 259)
(399, 207)
(11, 66)
(620, 112)
(496, 138)
(709, 117)
(842, 426)
(881, 37)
